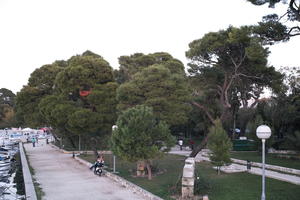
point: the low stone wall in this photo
(188, 179)
(271, 167)
(78, 152)
(203, 155)
(273, 151)
(134, 188)
(29, 186)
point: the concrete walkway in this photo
(62, 177)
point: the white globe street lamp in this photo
(263, 132)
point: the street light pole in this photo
(263, 132)
(263, 195)
(114, 127)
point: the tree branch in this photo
(282, 16)
(295, 9)
(292, 29)
(257, 77)
(202, 107)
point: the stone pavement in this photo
(176, 150)
(63, 178)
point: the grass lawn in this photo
(270, 159)
(242, 186)
(161, 185)
(237, 186)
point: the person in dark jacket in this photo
(99, 163)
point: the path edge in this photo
(29, 186)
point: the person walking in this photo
(180, 142)
(33, 141)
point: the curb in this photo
(29, 186)
(270, 167)
(78, 152)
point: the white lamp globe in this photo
(263, 132)
(114, 127)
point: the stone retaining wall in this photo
(281, 151)
(29, 186)
(134, 188)
(204, 156)
(79, 152)
(271, 167)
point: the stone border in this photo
(204, 155)
(78, 152)
(271, 167)
(134, 188)
(29, 186)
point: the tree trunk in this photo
(72, 142)
(140, 168)
(149, 170)
(198, 148)
(234, 127)
(94, 141)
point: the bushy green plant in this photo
(140, 137)
(220, 145)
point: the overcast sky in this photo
(38, 32)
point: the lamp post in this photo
(114, 127)
(263, 132)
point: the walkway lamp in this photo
(114, 127)
(263, 132)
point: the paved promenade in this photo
(63, 178)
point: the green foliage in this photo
(252, 126)
(293, 12)
(157, 87)
(220, 145)
(272, 29)
(130, 65)
(293, 140)
(7, 104)
(43, 77)
(140, 136)
(229, 66)
(7, 97)
(84, 99)
(74, 97)
(27, 112)
(40, 84)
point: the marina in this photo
(9, 148)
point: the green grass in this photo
(243, 186)
(270, 159)
(237, 186)
(161, 185)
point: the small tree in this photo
(140, 137)
(220, 145)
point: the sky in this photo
(38, 32)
